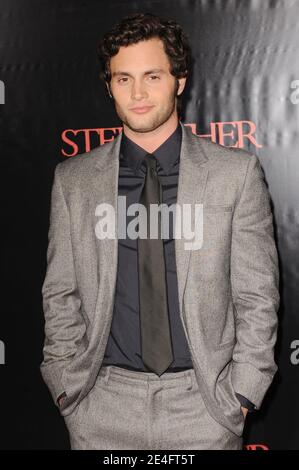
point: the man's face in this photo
(140, 78)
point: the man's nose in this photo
(139, 90)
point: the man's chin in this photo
(142, 128)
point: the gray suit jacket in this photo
(228, 289)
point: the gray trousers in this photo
(134, 410)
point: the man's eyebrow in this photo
(127, 74)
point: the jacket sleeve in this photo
(254, 283)
(64, 325)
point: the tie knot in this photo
(150, 161)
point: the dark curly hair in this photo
(142, 26)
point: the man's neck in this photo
(150, 141)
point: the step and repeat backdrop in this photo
(243, 91)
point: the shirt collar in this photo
(167, 154)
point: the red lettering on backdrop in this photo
(248, 135)
(237, 134)
(256, 447)
(70, 143)
(101, 132)
(235, 137)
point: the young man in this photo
(150, 344)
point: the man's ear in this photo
(182, 83)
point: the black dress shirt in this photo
(123, 347)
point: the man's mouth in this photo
(141, 109)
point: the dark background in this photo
(245, 56)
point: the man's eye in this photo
(125, 79)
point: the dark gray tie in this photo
(156, 347)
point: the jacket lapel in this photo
(193, 175)
(104, 188)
